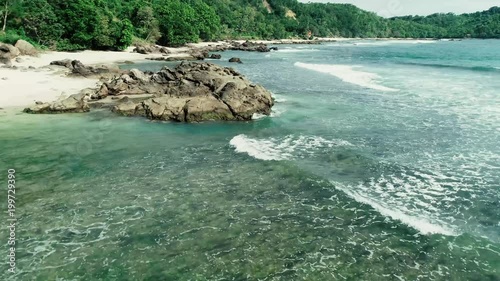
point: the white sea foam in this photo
(277, 112)
(260, 149)
(286, 148)
(279, 98)
(423, 224)
(421, 200)
(393, 42)
(348, 74)
(297, 50)
(257, 116)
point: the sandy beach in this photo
(32, 79)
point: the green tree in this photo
(147, 26)
(177, 22)
(40, 23)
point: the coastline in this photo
(33, 79)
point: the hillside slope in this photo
(112, 24)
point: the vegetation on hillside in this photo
(113, 24)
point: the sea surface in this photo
(380, 161)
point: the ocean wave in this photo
(257, 116)
(279, 149)
(393, 42)
(278, 98)
(423, 224)
(460, 67)
(424, 201)
(296, 50)
(348, 74)
(276, 112)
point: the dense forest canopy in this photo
(116, 24)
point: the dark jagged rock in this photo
(249, 47)
(215, 56)
(195, 92)
(199, 54)
(66, 63)
(192, 92)
(174, 58)
(151, 49)
(79, 69)
(237, 60)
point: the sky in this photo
(391, 8)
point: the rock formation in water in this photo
(237, 60)
(73, 104)
(191, 92)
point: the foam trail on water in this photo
(285, 148)
(260, 149)
(422, 224)
(296, 50)
(348, 74)
(393, 42)
(278, 98)
(257, 116)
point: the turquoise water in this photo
(381, 161)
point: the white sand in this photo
(23, 86)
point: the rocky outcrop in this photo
(151, 49)
(192, 92)
(215, 56)
(66, 63)
(8, 53)
(199, 54)
(237, 60)
(174, 58)
(79, 69)
(25, 48)
(73, 104)
(249, 47)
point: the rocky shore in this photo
(192, 92)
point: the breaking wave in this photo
(279, 149)
(348, 74)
